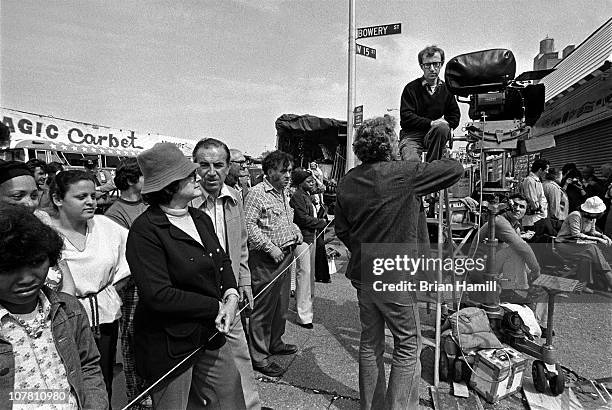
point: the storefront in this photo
(576, 125)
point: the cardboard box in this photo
(498, 373)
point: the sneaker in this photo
(272, 369)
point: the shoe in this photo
(272, 369)
(306, 325)
(286, 349)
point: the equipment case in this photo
(496, 377)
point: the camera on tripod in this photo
(502, 108)
(487, 79)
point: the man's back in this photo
(380, 203)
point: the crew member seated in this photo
(515, 262)
(579, 238)
(514, 258)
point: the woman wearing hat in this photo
(188, 293)
(579, 237)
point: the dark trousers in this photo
(414, 143)
(129, 299)
(321, 266)
(543, 232)
(268, 318)
(107, 345)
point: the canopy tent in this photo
(309, 138)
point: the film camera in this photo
(487, 79)
(502, 107)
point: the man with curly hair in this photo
(428, 111)
(378, 202)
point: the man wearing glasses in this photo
(238, 174)
(428, 111)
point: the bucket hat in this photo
(163, 164)
(593, 205)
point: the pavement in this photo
(324, 372)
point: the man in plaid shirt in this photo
(272, 239)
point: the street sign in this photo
(365, 51)
(358, 116)
(376, 31)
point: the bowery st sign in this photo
(376, 31)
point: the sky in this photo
(229, 68)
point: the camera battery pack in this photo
(498, 373)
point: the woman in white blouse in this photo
(95, 253)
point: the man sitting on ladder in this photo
(428, 111)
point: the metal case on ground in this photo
(498, 373)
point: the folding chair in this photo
(462, 224)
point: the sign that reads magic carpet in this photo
(77, 136)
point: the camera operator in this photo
(378, 202)
(428, 111)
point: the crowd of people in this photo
(191, 265)
(167, 266)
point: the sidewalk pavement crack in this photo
(335, 395)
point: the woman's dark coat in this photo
(180, 284)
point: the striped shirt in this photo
(269, 218)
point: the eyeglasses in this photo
(435, 65)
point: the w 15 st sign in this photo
(365, 51)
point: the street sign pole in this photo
(350, 129)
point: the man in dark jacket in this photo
(305, 218)
(428, 111)
(378, 202)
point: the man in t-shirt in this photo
(428, 111)
(128, 179)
